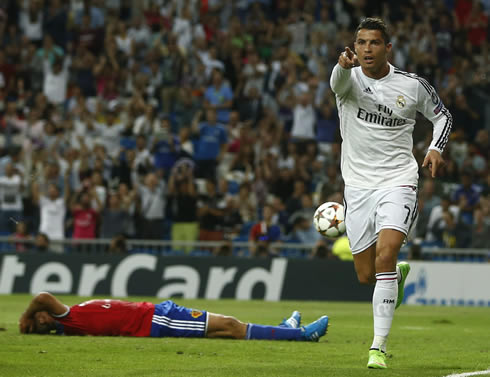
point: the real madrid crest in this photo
(400, 102)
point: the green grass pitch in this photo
(425, 341)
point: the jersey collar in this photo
(387, 77)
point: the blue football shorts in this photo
(172, 320)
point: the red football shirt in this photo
(108, 318)
(84, 223)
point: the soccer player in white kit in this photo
(377, 106)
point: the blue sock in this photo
(273, 332)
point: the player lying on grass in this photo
(46, 314)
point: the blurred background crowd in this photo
(213, 120)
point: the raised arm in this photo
(35, 192)
(93, 195)
(340, 79)
(43, 301)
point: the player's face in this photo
(372, 52)
(44, 322)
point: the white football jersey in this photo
(377, 118)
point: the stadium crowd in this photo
(214, 120)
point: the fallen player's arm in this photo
(43, 301)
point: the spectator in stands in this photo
(465, 116)
(428, 199)
(88, 37)
(116, 217)
(141, 34)
(171, 69)
(247, 203)
(219, 97)
(31, 21)
(327, 126)
(21, 234)
(304, 116)
(187, 105)
(251, 107)
(481, 226)
(331, 182)
(51, 175)
(182, 204)
(303, 230)
(153, 202)
(49, 52)
(322, 250)
(443, 218)
(95, 13)
(294, 203)
(124, 41)
(56, 22)
(118, 245)
(467, 196)
(14, 157)
(232, 220)
(12, 121)
(100, 189)
(41, 243)
(283, 184)
(143, 158)
(109, 131)
(211, 209)
(131, 201)
(476, 162)
(263, 234)
(253, 75)
(52, 208)
(211, 145)
(11, 204)
(56, 81)
(165, 146)
(147, 122)
(84, 215)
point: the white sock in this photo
(384, 300)
(398, 274)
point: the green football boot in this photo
(404, 270)
(377, 360)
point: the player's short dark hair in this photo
(371, 23)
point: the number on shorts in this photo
(408, 214)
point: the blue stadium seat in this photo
(201, 253)
(173, 253)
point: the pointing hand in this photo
(348, 59)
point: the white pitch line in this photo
(468, 374)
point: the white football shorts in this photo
(367, 211)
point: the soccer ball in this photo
(329, 220)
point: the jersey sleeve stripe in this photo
(422, 81)
(61, 315)
(443, 139)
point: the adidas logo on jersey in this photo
(368, 90)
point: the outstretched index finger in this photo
(349, 53)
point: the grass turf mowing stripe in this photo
(468, 374)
